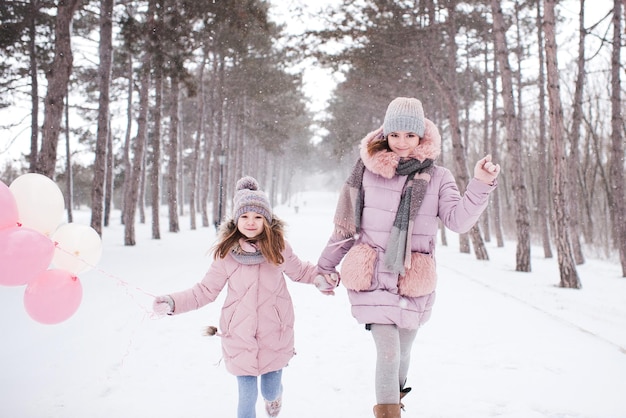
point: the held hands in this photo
(486, 171)
(325, 283)
(163, 305)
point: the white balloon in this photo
(78, 248)
(40, 203)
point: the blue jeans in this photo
(271, 389)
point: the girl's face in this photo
(250, 224)
(402, 142)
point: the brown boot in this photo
(387, 411)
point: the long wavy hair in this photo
(379, 145)
(271, 241)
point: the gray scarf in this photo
(350, 208)
(246, 258)
(398, 252)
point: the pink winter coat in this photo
(388, 298)
(257, 318)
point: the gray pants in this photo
(393, 355)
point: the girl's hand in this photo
(163, 305)
(486, 171)
(325, 283)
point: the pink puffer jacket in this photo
(257, 318)
(378, 295)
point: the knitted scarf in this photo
(350, 208)
(247, 254)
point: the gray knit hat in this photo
(248, 198)
(404, 114)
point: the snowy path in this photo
(499, 344)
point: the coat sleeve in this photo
(296, 269)
(204, 292)
(460, 213)
(336, 248)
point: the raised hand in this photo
(485, 170)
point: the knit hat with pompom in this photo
(404, 114)
(248, 198)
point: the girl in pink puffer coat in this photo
(257, 319)
(385, 232)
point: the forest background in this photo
(158, 105)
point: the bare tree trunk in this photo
(180, 175)
(514, 142)
(574, 157)
(495, 153)
(231, 149)
(130, 207)
(155, 172)
(34, 83)
(108, 184)
(485, 218)
(238, 149)
(207, 173)
(542, 149)
(616, 165)
(141, 199)
(58, 78)
(219, 150)
(567, 268)
(127, 140)
(172, 174)
(69, 177)
(105, 49)
(195, 157)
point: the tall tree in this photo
(105, 50)
(514, 140)
(132, 195)
(574, 155)
(172, 171)
(196, 159)
(567, 267)
(616, 166)
(34, 97)
(130, 30)
(69, 178)
(108, 182)
(207, 170)
(496, 155)
(58, 77)
(156, 155)
(542, 150)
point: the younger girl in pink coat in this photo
(257, 320)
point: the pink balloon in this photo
(24, 254)
(8, 207)
(53, 296)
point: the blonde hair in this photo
(271, 240)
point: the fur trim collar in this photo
(384, 163)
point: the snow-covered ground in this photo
(499, 343)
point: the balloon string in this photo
(120, 283)
(127, 351)
(147, 313)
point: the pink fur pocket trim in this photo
(357, 268)
(420, 278)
